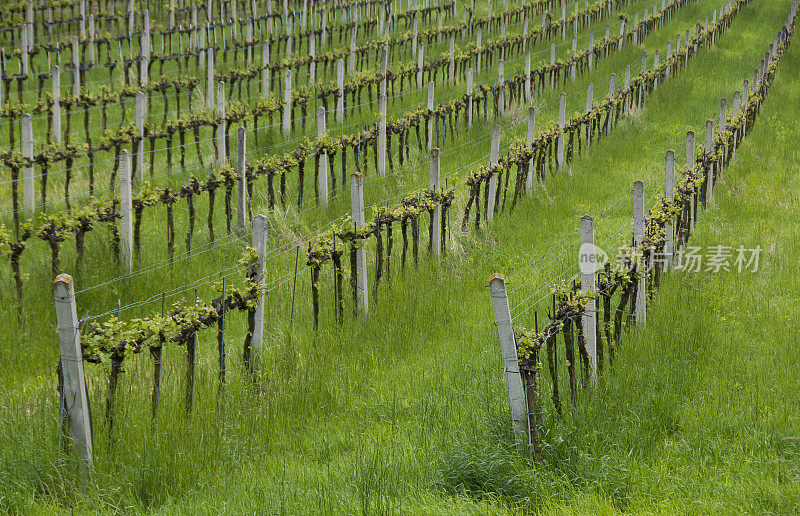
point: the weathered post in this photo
(494, 158)
(591, 50)
(508, 348)
(574, 67)
(531, 136)
(479, 48)
(222, 156)
(287, 102)
(669, 193)
(126, 208)
(587, 265)
(357, 210)
(552, 65)
(562, 114)
(638, 236)
(436, 235)
(28, 184)
(323, 158)
(241, 179)
(723, 122)
(74, 395)
(141, 116)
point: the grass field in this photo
(406, 411)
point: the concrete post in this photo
(74, 396)
(587, 265)
(357, 209)
(126, 208)
(562, 114)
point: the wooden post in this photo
(340, 90)
(260, 227)
(222, 156)
(241, 184)
(709, 148)
(638, 236)
(552, 65)
(531, 136)
(588, 266)
(141, 116)
(669, 193)
(57, 105)
(494, 158)
(265, 71)
(287, 102)
(508, 348)
(357, 209)
(591, 50)
(562, 114)
(210, 81)
(382, 137)
(126, 208)
(431, 86)
(74, 395)
(28, 184)
(323, 158)
(420, 63)
(470, 84)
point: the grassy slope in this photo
(404, 412)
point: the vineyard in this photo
(399, 256)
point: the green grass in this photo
(406, 411)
